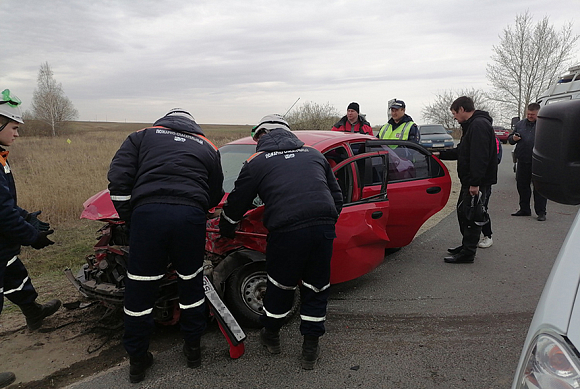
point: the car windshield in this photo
(233, 157)
(432, 129)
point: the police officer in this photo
(17, 227)
(302, 203)
(162, 182)
(400, 126)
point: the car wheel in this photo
(245, 291)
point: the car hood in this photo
(559, 305)
(436, 136)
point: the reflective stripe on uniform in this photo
(312, 318)
(10, 262)
(17, 289)
(314, 288)
(189, 277)
(276, 316)
(227, 218)
(137, 314)
(279, 285)
(120, 198)
(196, 304)
(144, 278)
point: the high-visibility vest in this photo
(399, 133)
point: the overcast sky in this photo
(232, 62)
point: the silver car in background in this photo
(434, 137)
(550, 357)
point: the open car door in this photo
(419, 187)
(361, 235)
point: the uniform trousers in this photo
(524, 182)
(15, 283)
(293, 256)
(160, 235)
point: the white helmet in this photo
(180, 112)
(9, 106)
(269, 122)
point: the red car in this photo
(501, 134)
(390, 189)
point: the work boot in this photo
(270, 340)
(310, 352)
(36, 313)
(460, 258)
(138, 366)
(6, 379)
(192, 352)
(455, 250)
(542, 217)
(522, 213)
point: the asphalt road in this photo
(414, 322)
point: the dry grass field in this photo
(57, 174)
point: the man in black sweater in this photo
(476, 156)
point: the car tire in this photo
(244, 294)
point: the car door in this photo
(419, 187)
(361, 235)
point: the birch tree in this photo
(49, 103)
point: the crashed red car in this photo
(390, 189)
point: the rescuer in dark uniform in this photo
(162, 181)
(302, 203)
(17, 227)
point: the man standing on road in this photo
(163, 180)
(476, 156)
(353, 122)
(302, 203)
(523, 137)
(400, 126)
(17, 227)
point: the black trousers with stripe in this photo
(15, 283)
(161, 234)
(302, 254)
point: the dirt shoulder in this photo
(74, 343)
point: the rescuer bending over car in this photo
(162, 181)
(302, 204)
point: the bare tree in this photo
(313, 116)
(438, 112)
(527, 60)
(49, 104)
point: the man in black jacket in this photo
(476, 156)
(162, 181)
(302, 203)
(523, 137)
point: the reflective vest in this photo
(400, 133)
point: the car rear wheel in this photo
(245, 291)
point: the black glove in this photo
(42, 241)
(32, 218)
(227, 229)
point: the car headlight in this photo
(550, 363)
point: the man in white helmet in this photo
(162, 181)
(302, 203)
(17, 227)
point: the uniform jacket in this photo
(361, 126)
(524, 146)
(476, 153)
(171, 163)
(295, 183)
(412, 134)
(14, 230)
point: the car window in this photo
(233, 157)
(336, 155)
(407, 161)
(362, 177)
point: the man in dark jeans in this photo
(476, 156)
(523, 137)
